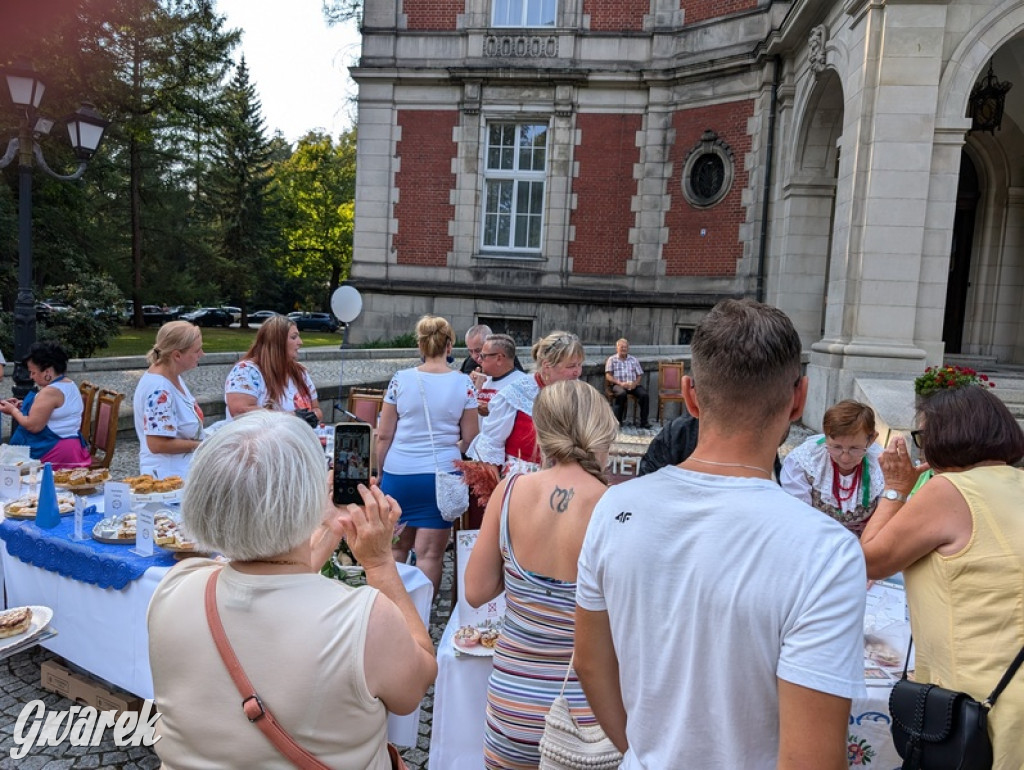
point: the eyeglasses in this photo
(853, 452)
(491, 355)
(475, 351)
(918, 438)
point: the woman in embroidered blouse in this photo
(168, 421)
(49, 420)
(838, 472)
(406, 452)
(270, 375)
(507, 437)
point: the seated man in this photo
(623, 373)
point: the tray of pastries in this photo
(148, 489)
(81, 481)
(122, 530)
(25, 507)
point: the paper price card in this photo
(144, 528)
(79, 514)
(117, 498)
(490, 612)
(10, 482)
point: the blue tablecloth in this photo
(107, 566)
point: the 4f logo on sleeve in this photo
(623, 517)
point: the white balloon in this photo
(346, 303)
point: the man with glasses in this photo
(837, 471)
(497, 369)
(475, 337)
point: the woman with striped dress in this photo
(528, 546)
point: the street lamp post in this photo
(85, 129)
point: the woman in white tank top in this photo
(48, 421)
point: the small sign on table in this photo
(10, 482)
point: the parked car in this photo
(316, 322)
(261, 315)
(45, 309)
(236, 312)
(209, 316)
(154, 314)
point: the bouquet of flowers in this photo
(936, 378)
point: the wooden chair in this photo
(88, 391)
(670, 384)
(632, 402)
(104, 433)
(365, 404)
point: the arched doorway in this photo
(807, 210)
(968, 194)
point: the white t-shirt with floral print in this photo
(246, 377)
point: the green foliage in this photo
(407, 340)
(317, 188)
(91, 322)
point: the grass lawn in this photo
(138, 342)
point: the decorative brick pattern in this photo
(616, 15)
(604, 189)
(432, 14)
(716, 252)
(424, 183)
(701, 10)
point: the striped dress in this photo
(530, 661)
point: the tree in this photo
(318, 192)
(239, 193)
(169, 58)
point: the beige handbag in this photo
(564, 745)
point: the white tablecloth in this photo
(104, 630)
(460, 696)
(460, 700)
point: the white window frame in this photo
(519, 13)
(515, 176)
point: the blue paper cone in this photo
(47, 511)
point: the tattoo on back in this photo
(560, 498)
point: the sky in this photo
(297, 63)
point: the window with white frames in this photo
(523, 13)
(514, 186)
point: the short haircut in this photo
(848, 418)
(175, 335)
(433, 335)
(480, 330)
(966, 426)
(257, 487)
(557, 347)
(46, 354)
(574, 423)
(503, 343)
(746, 363)
(621, 339)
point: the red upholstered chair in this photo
(366, 404)
(670, 384)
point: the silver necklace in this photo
(766, 472)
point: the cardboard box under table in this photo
(100, 594)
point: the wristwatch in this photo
(892, 494)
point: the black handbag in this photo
(938, 729)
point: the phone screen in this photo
(351, 461)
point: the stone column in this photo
(895, 184)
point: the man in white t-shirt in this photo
(719, 621)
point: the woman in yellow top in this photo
(960, 544)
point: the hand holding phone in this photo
(351, 461)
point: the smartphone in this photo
(351, 461)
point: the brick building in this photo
(617, 166)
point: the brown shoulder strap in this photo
(253, 707)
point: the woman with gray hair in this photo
(507, 437)
(328, 660)
(168, 421)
